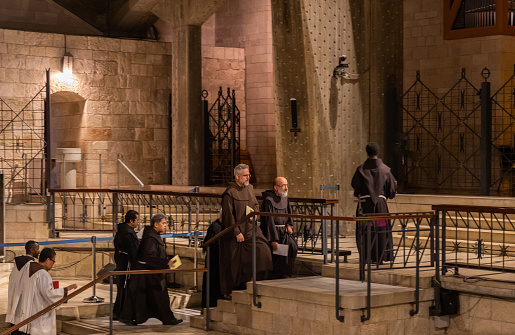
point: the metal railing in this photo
(102, 209)
(409, 249)
(109, 275)
(477, 237)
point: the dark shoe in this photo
(127, 322)
(173, 322)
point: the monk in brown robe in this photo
(236, 247)
(279, 230)
(373, 183)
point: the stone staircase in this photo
(306, 305)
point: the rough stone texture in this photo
(440, 61)
(336, 117)
(251, 29)
(112, 108)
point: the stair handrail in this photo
(87, 286)
(132, 174)
(178, 194)
(467, 208)
(339, 317)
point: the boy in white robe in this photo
(16, 285)
(40, 294)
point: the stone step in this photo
(397, 277)
(307, 306)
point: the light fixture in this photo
(340, 71)
(66, 77)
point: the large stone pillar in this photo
(187, 134)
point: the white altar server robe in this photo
(18, 280)
(40, 294)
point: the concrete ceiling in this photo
(116, 18)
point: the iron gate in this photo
(442, 137)
(22, 149)
(222, 136)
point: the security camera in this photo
(342, 59)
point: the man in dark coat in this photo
(214, 271)
(148, 294)
(278, 230)
(373, 183)
(125, 256)
(236, 247)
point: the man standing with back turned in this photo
(373, 183)
(236, 247)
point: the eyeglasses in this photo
(283, 185)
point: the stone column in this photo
(187, 133)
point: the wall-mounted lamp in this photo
(340, 71)
(293, 105)
(66, 77)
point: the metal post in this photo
(485, 146)
(94, 298)
(115, 212)
(51, 215)
(189, 221)
(118, 170)
(99, 170)
(254, 270)
(2, 212)
(369, 272)
(111, 304)
(195, 288)
(339, 317)
(333, 235)
(324, 234)
(208, 290)
(444, 242)
(83, 170)
(417, 273)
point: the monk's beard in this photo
(283, 194)
(245, 184)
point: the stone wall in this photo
(337, 117)
(123, 86)
(248, 24)
(440, 61)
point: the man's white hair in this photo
(239, 168)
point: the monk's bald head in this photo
(281, 187)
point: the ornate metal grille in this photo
(503, 141)
(22, 149)
(442, 136)
(222, 124)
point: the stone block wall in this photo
(337, 117)
(440, 61)
(248, 24)
(117, 105)
(225, 67)
(289, 316)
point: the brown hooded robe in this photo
(236, 257)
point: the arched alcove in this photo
(66, 125)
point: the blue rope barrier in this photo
(86, 240)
